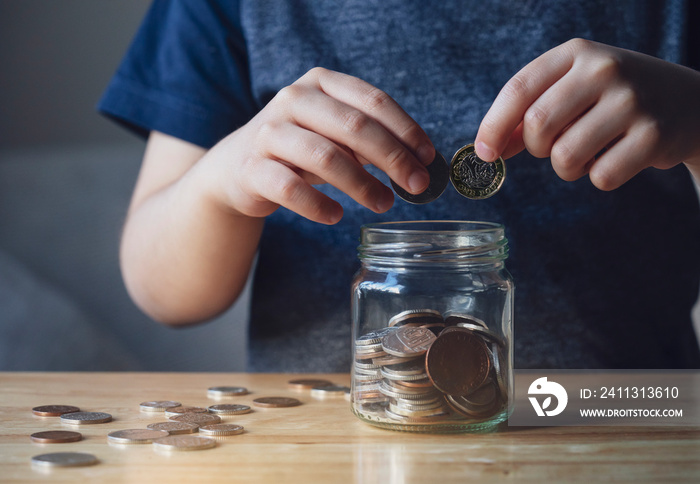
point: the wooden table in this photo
(317, 442)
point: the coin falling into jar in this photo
(474, 178)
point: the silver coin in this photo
(408, 341)
(86, 418)
(136, 436)
(64, 459)
(479, 330)
(224, 391)
(158, 405)
(373, 337)
(175, 428)
(173, 411)
(221, 429)
(197, 418)
(230, 409)
(439, 175)
(329, 392)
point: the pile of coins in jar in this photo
(423, 369)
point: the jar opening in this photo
(434, 240)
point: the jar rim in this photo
(421, 226)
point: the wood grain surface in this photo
(317, 442)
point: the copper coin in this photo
(408, 341)
(175, 428)
(276, 402)
(458, 362)
(197, 418)
(308, 383)
(56, 437)
(230, 409)
(54, 410)
(86, 418)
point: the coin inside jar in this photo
(439, 175)
(474, 178)
(408, 341)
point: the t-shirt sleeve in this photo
(185, 74)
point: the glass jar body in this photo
(432, 310)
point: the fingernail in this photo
(484, 152)
(418, 182)
(426, 154)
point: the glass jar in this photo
(432, 311)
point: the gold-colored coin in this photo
(197, 418)
(474, 178)
(175, 428)
(184, 442)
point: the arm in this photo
(196, 216)
(597, 110)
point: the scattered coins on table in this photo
(136, 436)
(64, 459)
(86, 418)
(54, 410)
(56, 437)
(330, 391)
(474, 178)
(424, 368)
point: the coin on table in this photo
(408, 341)
(158, 405)
(64, 459)
(230, 409)
(54, 410)
(474, 178)
(458, 362)
(439, 174)
(175, 428)
(224, 391)
(56, 437)
(171, 412)
(221, 429)
(329, 392)
(184, 442)
(136, 436)
(276, 402)
(197, 418)
(86, 418)
(308, 383)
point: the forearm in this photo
(184, 256)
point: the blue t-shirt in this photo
(604, 279)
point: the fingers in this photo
(281, 185)
(520, 92)
(330, 163)
(355, 114)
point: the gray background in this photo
(66, 175)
